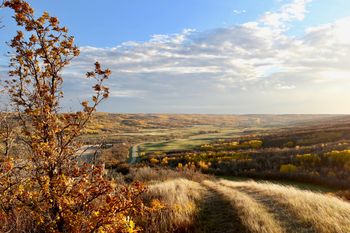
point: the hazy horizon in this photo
(225, 114)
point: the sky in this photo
(206, 56)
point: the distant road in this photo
(134, 154)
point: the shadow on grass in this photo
(216, 215)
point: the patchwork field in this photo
(192, 138)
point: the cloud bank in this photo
(255, 67)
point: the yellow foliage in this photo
(156, 204)
(307, 159)
(339, 157)
(46, 182)
(154, 161)
(288, 168)
(203, 165)
(165, 161)
(255, 144)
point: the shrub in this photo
(339, 157)
(154, 161)
(254, 144)
(48, 187)
(308, 159)
(288, 168)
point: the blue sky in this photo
(205, 56)
(108, 23)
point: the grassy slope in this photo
(248, 206)
(299, 185)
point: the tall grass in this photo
(180, 198)
(155, 175)
(327, 214)
(253, 215)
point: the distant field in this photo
(180, 144)
(190, 138)
(197, 128)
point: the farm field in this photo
(191, 138)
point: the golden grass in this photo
(155, 175)
(180, 197)
(327, 214)
(257, 207)
(253, 215)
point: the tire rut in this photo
(216, 215)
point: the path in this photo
(134, 154)
(290, 222)
(217, 214)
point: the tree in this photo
(46, 188)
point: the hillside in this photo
(213, 205)
(103, 123)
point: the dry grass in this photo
(180, 197)
(155, 175)
(152, 175)
(255, 207)
(252, 214)
(326, 214)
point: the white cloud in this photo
(238, 12)
(295, 10)
(238, 68)
(280, 86)
(126, 93)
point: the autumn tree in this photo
(46, 187)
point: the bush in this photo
(308, 159)
(339, 158)
(288, 168)
(49, 187)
